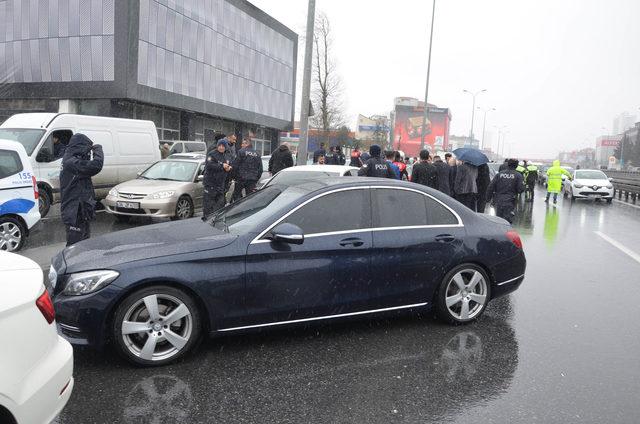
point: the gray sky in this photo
(557, 71)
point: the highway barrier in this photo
(625, 184)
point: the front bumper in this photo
(589, 192)
(160, 208)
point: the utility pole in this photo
(473, 110)
(303, 146)
(484, 125)
(426, 92)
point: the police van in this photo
(18, 196)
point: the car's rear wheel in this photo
(463, 294)
(184, 208)
(12, 234)
(156, 325)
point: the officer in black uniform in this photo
(376, 166)
(216, 171)
(78, 202)
(505, 188)
(248, 166)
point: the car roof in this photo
(199, 157)
(319, 168)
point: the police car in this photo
(18, 196)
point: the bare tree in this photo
(327, 85)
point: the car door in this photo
(198, 188)
(415, 239)
(328, 274)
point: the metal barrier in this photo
(625, 184)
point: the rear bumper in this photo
(508, 275)
(45, 391)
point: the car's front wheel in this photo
(156, 325)
(184, 208)
(463, 294)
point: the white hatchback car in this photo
(36, 364)
(589, 184)
(296, 174)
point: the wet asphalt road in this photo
(563, 348)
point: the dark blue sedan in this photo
(321, 250)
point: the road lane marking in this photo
(633, 255)
(626, 204)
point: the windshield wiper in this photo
(166, 179)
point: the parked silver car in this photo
(171, 188)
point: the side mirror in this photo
(287, 233)
(43, 156)
(610, 179)
(200, 178)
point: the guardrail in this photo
(625, 184)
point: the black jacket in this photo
(356, 160)
(377, 167)
(426, 174)
(215, 176)
(444, 175)
(453, 171)
(466, 175)
(281, 158)
(317, 154)
(76, 189)
(248, 165)
(483, 179)
(506, 185)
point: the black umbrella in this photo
(473, 156)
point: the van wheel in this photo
(12, 234)
(44, 202)
(184, 208)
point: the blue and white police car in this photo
(18, 196)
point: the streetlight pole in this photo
(473, 110)
(426, 91)
(303, 145)
(484, 125)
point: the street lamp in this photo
(499, 129)
(473, 110)
(426, 91)
(484, 125)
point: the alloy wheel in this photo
(466, 294)
(10, 236)
(157, 327)
(183, 209)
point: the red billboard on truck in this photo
(407, 127)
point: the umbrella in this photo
(473, 156)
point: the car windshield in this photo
(296, 177)
(245, 215)
(27, 137)
(591, 175)
(170, 171)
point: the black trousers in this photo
(506, 211)
(80, 231)
(212, 200)
(467, 199)
(481, 203)
(246, 185)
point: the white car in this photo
(36, 364)
(589, 184)
(18, 196)
(296, 174)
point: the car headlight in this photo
(113, 192)
(609, 185)
(161, 195)
(88, 282)
(578, 185)
(53, 276)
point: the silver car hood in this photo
(142, 186)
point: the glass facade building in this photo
(194, 67)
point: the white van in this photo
(18, 196)
(130, 146)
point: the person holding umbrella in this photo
(466, 186)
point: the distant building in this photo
(623, 122)
(341, 137)
(373, 129)
(407, 126)
(605, 146)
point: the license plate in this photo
(128, 205)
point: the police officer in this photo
(78, 207)
(376, 166)
(248, 166)
(530, 178)
(216, 171)
(504, 188)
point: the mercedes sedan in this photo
(323, 250)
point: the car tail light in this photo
(35, 187)
(46, 307)
(515, 238)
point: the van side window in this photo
(10, 163)
(54, 147)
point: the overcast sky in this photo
(557, 71)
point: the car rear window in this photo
(10, 163)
